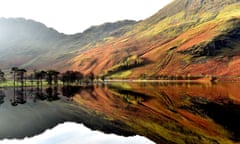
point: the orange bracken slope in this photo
(196, 37)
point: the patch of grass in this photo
(123, 74)
(121, 70)
(230, 11)
(164, 24)
(28, 83)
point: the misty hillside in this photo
(31, 44)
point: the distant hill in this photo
(30, 44)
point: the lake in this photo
(130, 112)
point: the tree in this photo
(2, 76)
(52, 76)
(14, 70)
(39, 75)
(102, 78)
(20, 73)
(71, 77)
(91, 76)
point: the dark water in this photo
(162, 112)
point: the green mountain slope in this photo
(187, 37)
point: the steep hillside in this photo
(187, 37)
(30, 44)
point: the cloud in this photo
(73, 133)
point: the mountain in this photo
(187, 37)
(30, 44)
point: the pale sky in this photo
(73, 16)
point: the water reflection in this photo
(162, 112)
(2, 95)
(227, 115)
(41, 110)
(70, 91)
(52, 94)
(20, 95)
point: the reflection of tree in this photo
(18, 98)
(39, 95)
(52, 94)
(70, 91)
(2, 95)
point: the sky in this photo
(73, 16)
(73, 133)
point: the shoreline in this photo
(201, 80)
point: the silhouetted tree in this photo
(52, 76)
(2, 79)
(71, 77)
(39, 75)
(20, 73)
(102, 78)
(91, 76)
(79, 76)
(13, 71)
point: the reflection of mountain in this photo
(163, 112)
(227, 115)
(168, 113)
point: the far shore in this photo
(201, 80)
(205, 80)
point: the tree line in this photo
(52, 77)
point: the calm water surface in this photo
(161, 112)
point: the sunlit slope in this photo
(196, 37)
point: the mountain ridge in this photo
(161, 39)
(190, 37)
(34, 45)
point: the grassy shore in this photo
(10, 83)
